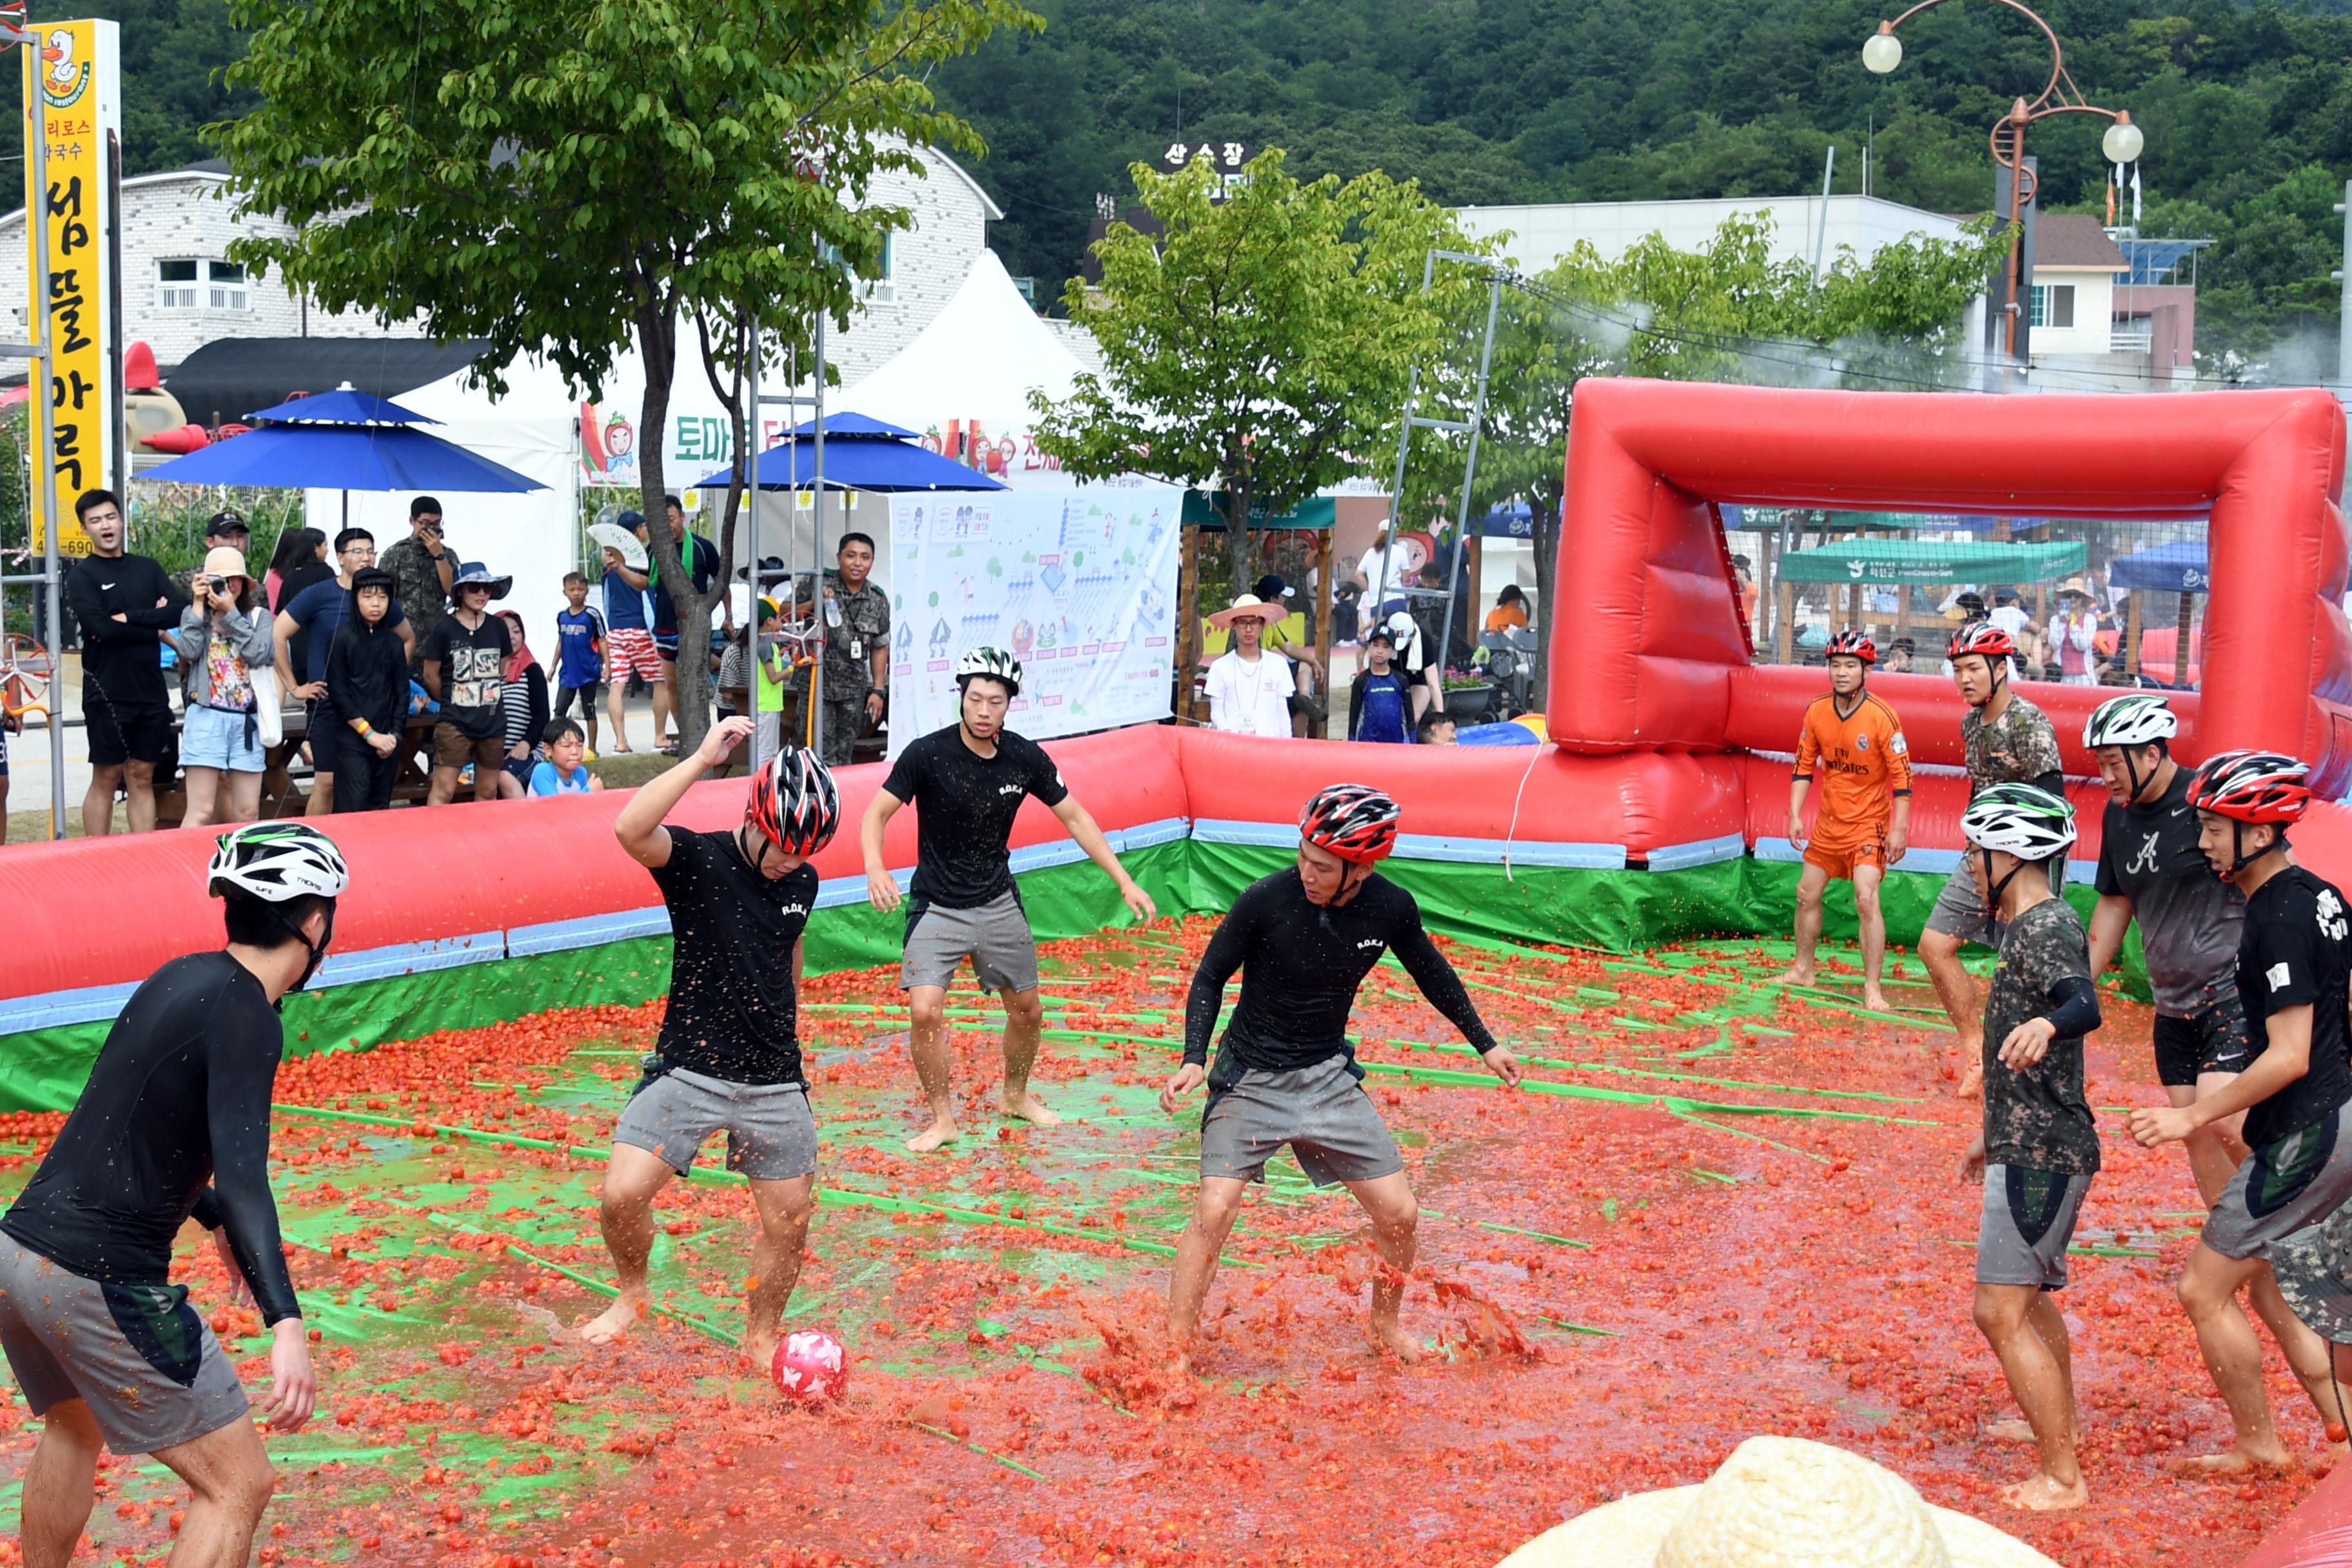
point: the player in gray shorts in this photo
(1303, 940)
(729, 1056)
(967, 784)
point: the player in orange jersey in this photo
(1854, 742)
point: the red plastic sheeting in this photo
(2317, 1534)
(1650, 641)
(1769, 702)
(1642, 801)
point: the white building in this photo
(180, 290)
(1542, 233)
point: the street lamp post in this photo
(2122, 144)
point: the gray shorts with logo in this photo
(2027, 1224)
(2283, 1188)
(1321, 1112)
(771, 1135)
(1960, 911)
(140, 1357)
(996, 937)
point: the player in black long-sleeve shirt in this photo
(1303, 941)
(173, 1124)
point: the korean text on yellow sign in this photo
(73, 96)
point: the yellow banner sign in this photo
(73, 101)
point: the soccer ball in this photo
(811, 1367)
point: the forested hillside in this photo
(2248, 110)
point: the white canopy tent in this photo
(967, 376)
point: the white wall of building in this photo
(1542, 233)
(2088, 315)
(186, 217)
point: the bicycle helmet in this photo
(276, 862)
(2251, 786)
(993, 662)
(1355, 822)
(1851, 644)
(1981, 637)
(2140, 719)
(793, 804)
(2018, 819)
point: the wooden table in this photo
(283, 770)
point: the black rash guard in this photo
(179, 1096)
(1301, 963)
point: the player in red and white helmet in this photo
(1303, 940)
(2294, 979)
(2007, 740)
(1851, 740)
(729, 1056)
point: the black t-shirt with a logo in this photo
(964, 807)
(734, 1012)
(2295, 953)
(2188, 918)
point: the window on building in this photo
(227, 291)
(2053, 305)
(201, 286)
(175, 285)
(884, 287)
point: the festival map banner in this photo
(78, 112)
(1081, 585)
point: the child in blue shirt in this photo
(578, 656)
(1379, 707)
(563, 770)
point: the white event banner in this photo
(1079, 584)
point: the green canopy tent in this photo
(1204, 513)
(1904, 561)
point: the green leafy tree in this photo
(1728, 311)
(569, 180)
(1262, 345)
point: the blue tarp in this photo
(2176, 568)
(343, 458)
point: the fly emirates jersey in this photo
(1857, 759)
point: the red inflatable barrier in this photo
(1642, 801)
(1937, 802)
(1653, 649)
(1769, 703)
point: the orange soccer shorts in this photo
(1838, 849)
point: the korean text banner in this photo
(79, 112)
(1081, 585)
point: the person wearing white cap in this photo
(1779, 1502)
(1250, 687)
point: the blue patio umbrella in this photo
(860, 454)
(2179, 567)
(341, 440)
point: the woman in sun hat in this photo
(1250, 686)
(223, 637)
(2074, 634)
(1779, 1502)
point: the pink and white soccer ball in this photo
(811, 1367)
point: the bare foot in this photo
(1971, 1084)
(759, 1351)
(1795, 975)
(616, 1320)
(1032, 1109)
(2019, 1430)
(932, 1137)
(1389, 1336)
(1876, 1000)
(2235, 1462)
(2044, 1495)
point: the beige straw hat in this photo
(1249, 605)
(1779, 1502)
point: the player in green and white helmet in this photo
(173, 1125)
(2038, 1147)
(968, 782)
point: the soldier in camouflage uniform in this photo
(857, 649)
(2007, 740)
(2040, 1146)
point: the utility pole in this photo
(2343, 315)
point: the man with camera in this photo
(422, 570)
